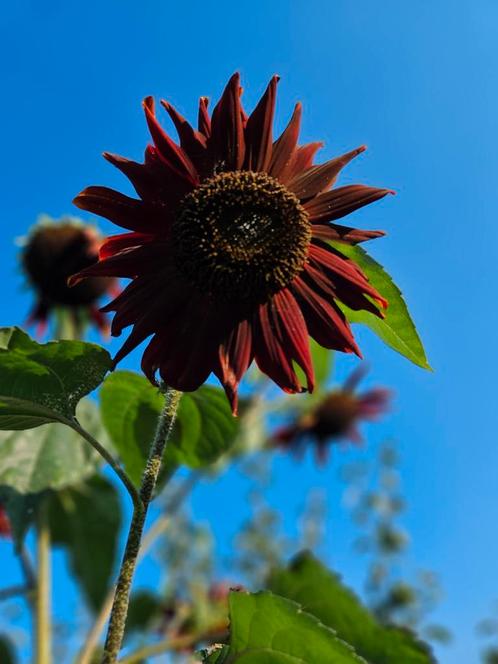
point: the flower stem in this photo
(43, 630)
(115, 631)
(150, 537)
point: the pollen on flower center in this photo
(241, 235)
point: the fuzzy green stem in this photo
(119, 611)
(43, 628)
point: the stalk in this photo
(119, 611)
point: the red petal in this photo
(124, 211)
(116, 243)
(141, 177)
(316, 179)
(204, 123)
(340, 265)
(281, 337)
(127, 264)
(303, 159)
(227, 133)
(235, 356)
(325, 322)
(191, 141)
(258, 132)
(283, 148)
(186, 352)
(343, 233)
(342, 201)
(168, 150)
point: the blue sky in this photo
(418, 83)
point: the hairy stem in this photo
(155, 531)
(43, 629)
(119, 611)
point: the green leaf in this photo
(85, 520)
(7, 653)
(41, 383)
(130, 406)
(267, 629)
(321, 593)
(145, 607)
(397, 329)
(50, 457)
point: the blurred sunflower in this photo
(5, 529)
(336, 417)
(228, 252)
(52, 252)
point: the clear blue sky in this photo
(418, 83)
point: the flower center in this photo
(241, 235)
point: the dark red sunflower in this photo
(336, 417)
(52, 253)
(228, 252)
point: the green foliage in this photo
(41, 383)
(144, 609)
(85, 520)
(397, 329)
(267, 629)
(205, 428)
(320, 591)
(50, 457)
(7, 653)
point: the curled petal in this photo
(235, 356)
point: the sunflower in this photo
(335, 417)
(228, 250)
(52, 252)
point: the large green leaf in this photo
(85, 520)
(397, 329)
(267, 629)
(41, 383)
(52, 456)
(130, 406)
(321, 593)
